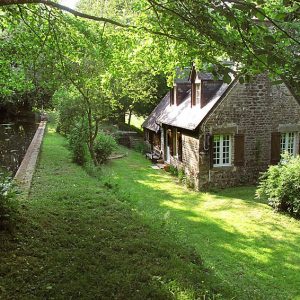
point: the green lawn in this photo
(252, 249)
(76, 240)
(133, 232)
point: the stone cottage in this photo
(224, 134)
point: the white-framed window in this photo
(288, 143)
(222, 150)
(198, 93)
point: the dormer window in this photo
(198, 93)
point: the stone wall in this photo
(256, 110)
(190, 157)
(24, 175)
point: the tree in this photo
(84, 57)
(28, 62)
(259, 35)
(132, 79)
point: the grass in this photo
(253, 250)
(76, 239)
(136, 121)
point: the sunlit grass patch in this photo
(253, 249)
(78, 239)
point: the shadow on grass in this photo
(77, 241)
(252, 249)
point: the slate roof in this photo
(183, 115)
(205, 76)
(150, 122)
(187, 117)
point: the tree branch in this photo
(64, 8)
(86, 16)
(250, 5)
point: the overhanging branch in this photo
(87, 16)
(64, 8)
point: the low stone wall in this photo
(23, 177)
(129, 139)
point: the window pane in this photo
(221, 150)
(216, 156)
(287, 142)
(282, 143)
(226, 149)
(290, 143)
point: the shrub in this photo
(8, 202)
(190, 183)
(140, 147)
(68, 102)
(104, 146)
(77, 143)
(173, 170)
(181, 175)
(280, 186)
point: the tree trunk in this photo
(91, 137)
(129, 117)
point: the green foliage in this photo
(104, 146)
(78, 143)
(52, 116)
(28, 57)
(140, 147)
(280, 185)
(173, 170)
(43, 47)
(190, 183)
(94, 238)
(8, 202)
(181, 175)
(70, 109)
(254, 36)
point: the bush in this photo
(104, 146)
(77, 143)
(71, 110)
(181, 175)
(8, 202)
(280, 186)
(173, 170)
(140, 147)
(190, 183)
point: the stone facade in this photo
(253, 112)
(190, 157)
(189, 160)
(256, 110)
